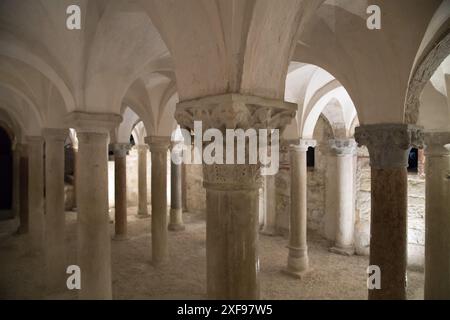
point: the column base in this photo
(295, 273)
(345, 251)
(176, 227)
(269, 231)
(120, 237)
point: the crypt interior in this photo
(91, 119)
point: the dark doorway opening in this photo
(413, 160)
(310, 157)
(6, 175)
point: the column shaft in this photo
(55, 242)
(298, 261)
(23, 190)
(176, 210)
(36, 192)
(120, 191)
(142, 180)
(94, 248)
(389, 146)
(437, 216)
(270, 214)
(344, 216)
(158, 149)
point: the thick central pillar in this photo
(437, 216)
(389, 146)
(158, 149)
(120, 190)
(176, 205)
(142, 180)
(55, 242)
(298, 261)
(232, 187)
(344, 150)
(94, 241)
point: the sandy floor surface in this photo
(184, 276)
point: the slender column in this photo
(16, 180)
(183, 188)
(120, 190)
(298, 261)
(94, 244)
(389, 146)
(176, 210)
(23, 189)
(232, 190)
(344, 150)
(437, 216)
(36, 192)
(75, 169)
(55, 242)
(142, 180)
(158, 148)
(270, 214)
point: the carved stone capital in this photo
(231, 176)
(342, 147)
(158, 144)
(437, 144)
(232, 111)
(389, 144)
(303, 145)
(120, 149)
(53, 134)
(141, 147)
(93, 122)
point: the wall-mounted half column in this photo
(345, 151)
(389, 146)
(94, 241)
(437, 215)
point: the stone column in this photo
(158, 148)
(55, 241)
(389, 146)
(269, 202)
(23, 189)
(232, 191)
(36, 192)
(16, 149)
(437, 216)
(75, 169)
(94, 241)
(176, 210)
(142, 180)
(120, 190)
(183, 188)
(344, 150)
(298, 262)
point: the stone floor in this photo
(183, 277)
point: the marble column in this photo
(437, 216)
(55, 242)
(183, 188)
(75, 169)
(389, 146)
(94, 241)
(176, 210)
(345, 151)
(120, 190)
(269, 202)
(158, 149)
(23, 189)
(232, 191)
(298, 261)
(36, 192)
